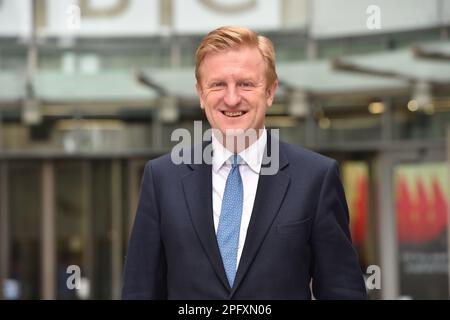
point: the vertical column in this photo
(116, 228)
(440, 10)
(1, 132)
(373, 255)
(310, 125)
(175, 54)
(387, 121)
(87, 229)
(4, 226)
(133, 194)
(157, 128)
(48, 239)
(312, 48)
(166, 14)
(294, 13)
(388, 244)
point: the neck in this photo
(237, 141)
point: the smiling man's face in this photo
(233, 89)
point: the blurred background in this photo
(92, 89)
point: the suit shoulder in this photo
(302, 156)
(160, 164)
(175, 162)
(163, 160)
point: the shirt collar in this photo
(252, 156)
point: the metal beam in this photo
(430, 55)
(116, 229)
(1, 131)
(339, 64)
(87, 229)
(133, 192)
(142, 78)
(157, 130)
(387, 236)
(373, 255)
(48, 237)
(387, 121)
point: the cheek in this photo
(255, 98)
(258, 103)
(211, 100)
(211, 113)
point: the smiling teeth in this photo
(233, 114)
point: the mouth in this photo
(234, 114)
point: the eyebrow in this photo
(213, 80)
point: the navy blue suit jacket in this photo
(298, 233)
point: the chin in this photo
(235, 129)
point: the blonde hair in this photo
(226, 38)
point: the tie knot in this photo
(235, 160)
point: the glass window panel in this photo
(101, 208)
(24, 181)
(69, 224)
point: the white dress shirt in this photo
(249, 170)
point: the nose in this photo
(232, 97)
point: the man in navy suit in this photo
(231, 228)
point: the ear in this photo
(199, 90)
(270, 93)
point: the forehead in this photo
(242, 60)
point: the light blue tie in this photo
(230, 220)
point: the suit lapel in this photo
(197, 185)
(270, 193)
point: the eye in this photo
(218, 84)
(246, 84)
